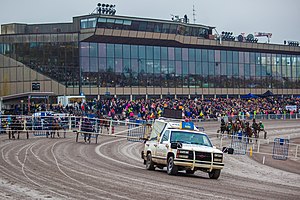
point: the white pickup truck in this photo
(181, 146)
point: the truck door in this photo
(162, 148)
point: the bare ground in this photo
(41, 168)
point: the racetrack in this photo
(41, 168)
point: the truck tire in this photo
(214, 174)
(149, 162)
(172, 169)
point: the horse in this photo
(103, 123)
(87, 126)
(16, 127)
(255, 129)
(53, 127)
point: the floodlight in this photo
(293, 43)
(240, 38)
(227, 36)
(107, 9)
(250, 37)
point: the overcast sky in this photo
(279, 17)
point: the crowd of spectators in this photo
(211, 108)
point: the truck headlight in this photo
(218, 155)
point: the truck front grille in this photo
(203, 156)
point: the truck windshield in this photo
(190, 138)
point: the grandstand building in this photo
(133, 57)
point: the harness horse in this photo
(17, 126)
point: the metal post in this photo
(258, 145)
(70, 123)
(80, 122)
(22, 107)
(110, 127)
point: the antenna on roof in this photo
(194, 14)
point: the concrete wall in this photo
(16, 78)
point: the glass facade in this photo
(53, 55)
(123, 65)
(149, 26)
(117, 62)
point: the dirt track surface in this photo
(41, 168)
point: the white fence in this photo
(61, 125)
(250, 146)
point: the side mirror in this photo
(230, 150)
(176, 145)
(173, 145)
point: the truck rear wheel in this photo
(149, 162)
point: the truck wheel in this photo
(189, 171)
(214, 174)
(172, 169)
(149, 162)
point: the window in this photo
(142, 52)
(93, 50)
(198, 55)
(204, 55)
(191, 54)
(229, 56)
(134, 51)
(119, 66)
(118, 51)
(156, 52)
(184, 54)
(88, 23)
(119, 21)
(83, 23)
(150, 27)
(102, 50)
(164, 53)
(110, 50)
(177, 53)
(126, 51)
(102, 20)
(165, 136)
(173, 28)
(157, 27)
(171, 55)
(235, 57)
(127, 22)
(165, 28)
(92, 23)
(192, 69)
(84, 49)
(149, 52)
(223, 56)
(211, 56)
